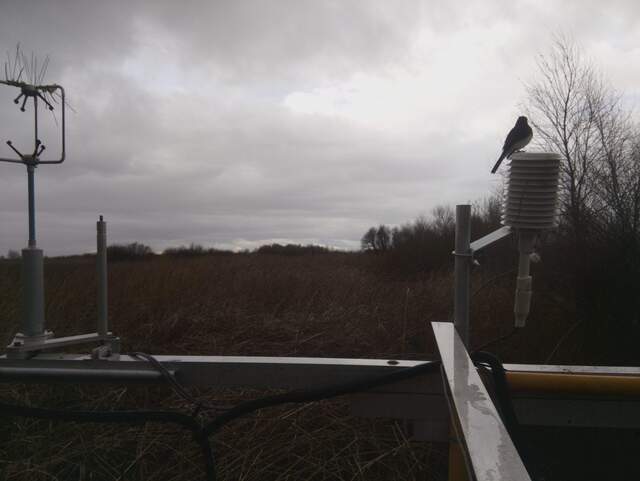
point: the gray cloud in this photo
(236, 123)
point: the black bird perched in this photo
(519, 136)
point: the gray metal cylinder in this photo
(462, 272)
(32, 292)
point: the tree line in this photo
(426, 243)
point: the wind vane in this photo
(23, 74)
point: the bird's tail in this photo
(495, 167)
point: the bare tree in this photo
(368, 241)
(576, 112)
(617, 176)
(379, 239)
(444, 219)
(560, 106)
(383, 238)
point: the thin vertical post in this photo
(101, 260)
(462, 272)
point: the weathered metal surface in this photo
(238, 371)
(22, 374)
(462, 267)
(489, 451)
(419, 400)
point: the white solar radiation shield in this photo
(531, 197)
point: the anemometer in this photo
(33, 336)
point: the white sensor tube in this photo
(522, 303)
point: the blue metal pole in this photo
(32, 209)
(30, 173)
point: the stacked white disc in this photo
(532, 193)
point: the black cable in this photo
(507, 411)
(301, 396)
(503, 395)
(178, 388)
(166, 374)
(202, 433)
(121, 417)
(316, 394)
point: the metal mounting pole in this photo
(32, 292)
(101, 260)
(32, 258)
(31, 168)
(32, 208)
(462, 272)
(32, 322)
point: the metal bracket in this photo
(485, 241)
(489, 239)
(35, 92)
(24, 347)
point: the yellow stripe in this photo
(566, 383)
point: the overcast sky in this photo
(237, 123)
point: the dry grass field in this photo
(332, 305)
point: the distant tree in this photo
(383, 238)
(419, 246)
(426, 243)
(444, 219)
(292, 249)
(191, 250)
(368, 241)
(13, 254)
(377, 239)
(194, 250)
(133, 251)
